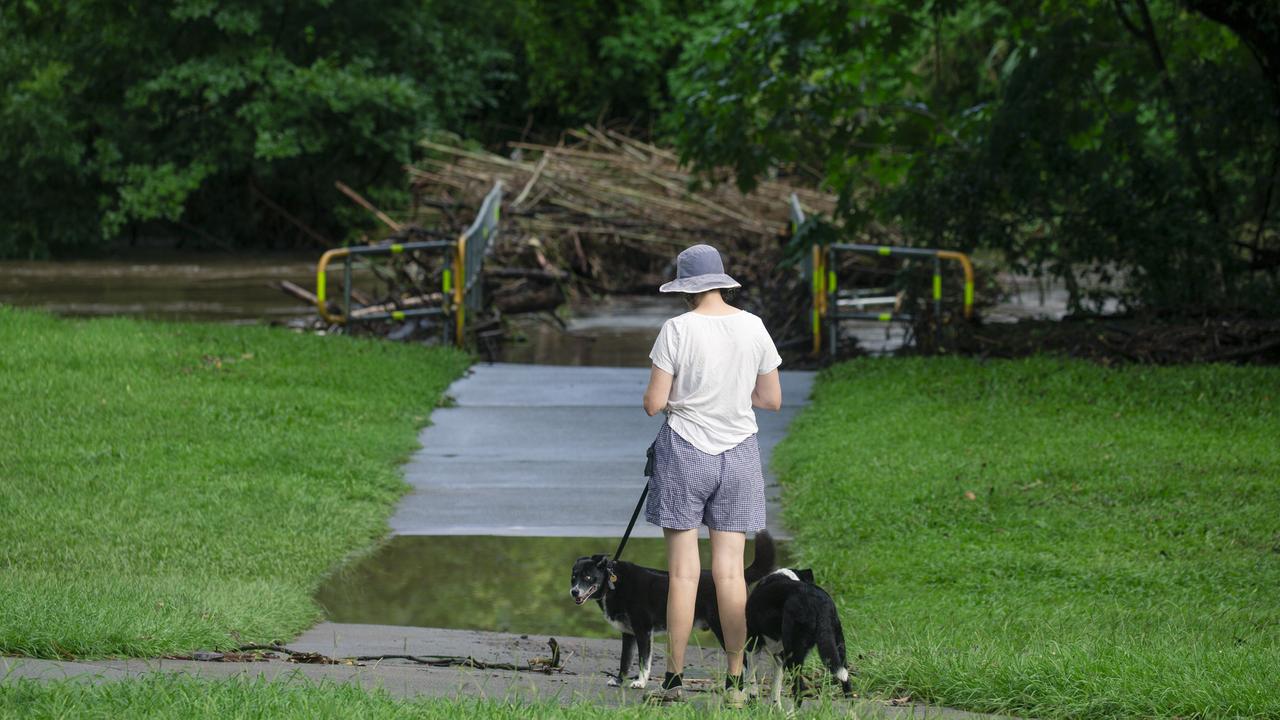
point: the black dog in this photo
(787, 615)
(634, 600)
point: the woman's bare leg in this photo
(684, 567)
(727, 549)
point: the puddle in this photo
(502, 584)
(614, 332)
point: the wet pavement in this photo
(550, 451)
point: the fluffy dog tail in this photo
(766, 559)
(830, 637)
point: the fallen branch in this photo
(359, 200)
(409, 302)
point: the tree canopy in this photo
(1088, 140)
(121, 113)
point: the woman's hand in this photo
(658, 392)
(767, 394)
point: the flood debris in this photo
(603, 213)
(1129, 340)
(261, 653)
(598, 213)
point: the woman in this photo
(711, 365)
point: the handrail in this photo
(818, 271)
(892, 250)
(967, 265)
(814, 273)
(473, 246)
(460, 281)
(347, 253)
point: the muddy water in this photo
(481, 583)
(211, 288)
(614, 332)
(610, 331)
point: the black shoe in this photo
(671, 691)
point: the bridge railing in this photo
(461, 287)
(828, 308)
(473, 246)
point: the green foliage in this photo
(1092, 141)
(1047, 538)
(199, 118)
(170, 487)
(175, 118)
(581, 60)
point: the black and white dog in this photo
(634, 600)
(787, 615)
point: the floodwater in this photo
(613, 332)
(215, 288)
(616, 332)
(502, 584)
(211, 288)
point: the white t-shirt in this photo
(715, 360)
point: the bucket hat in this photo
(699, 269)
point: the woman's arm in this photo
(659, 390)
(767, 394)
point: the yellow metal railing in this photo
(460, 286)
(820, 267)
(347, 254)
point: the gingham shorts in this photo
(690, 488)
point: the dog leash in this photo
(627, 535)
(648, 472)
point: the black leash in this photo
(627, 535)
(648, 472)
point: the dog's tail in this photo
(830, 637)
(766, 559)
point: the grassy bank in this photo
(1048, 538)
(166, 487)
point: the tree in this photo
(1086, 140)
(578, 61)
(172, 117)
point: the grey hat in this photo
(699, 269)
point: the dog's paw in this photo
(613, 682)
(638, 684)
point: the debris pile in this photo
(1123, 340)
(604, 213)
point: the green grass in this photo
(177, 696)
(1046, 537)
(165, 487)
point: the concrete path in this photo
(585, 662)
(549, 451)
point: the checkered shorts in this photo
(690, 488)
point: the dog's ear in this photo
(805, 575)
